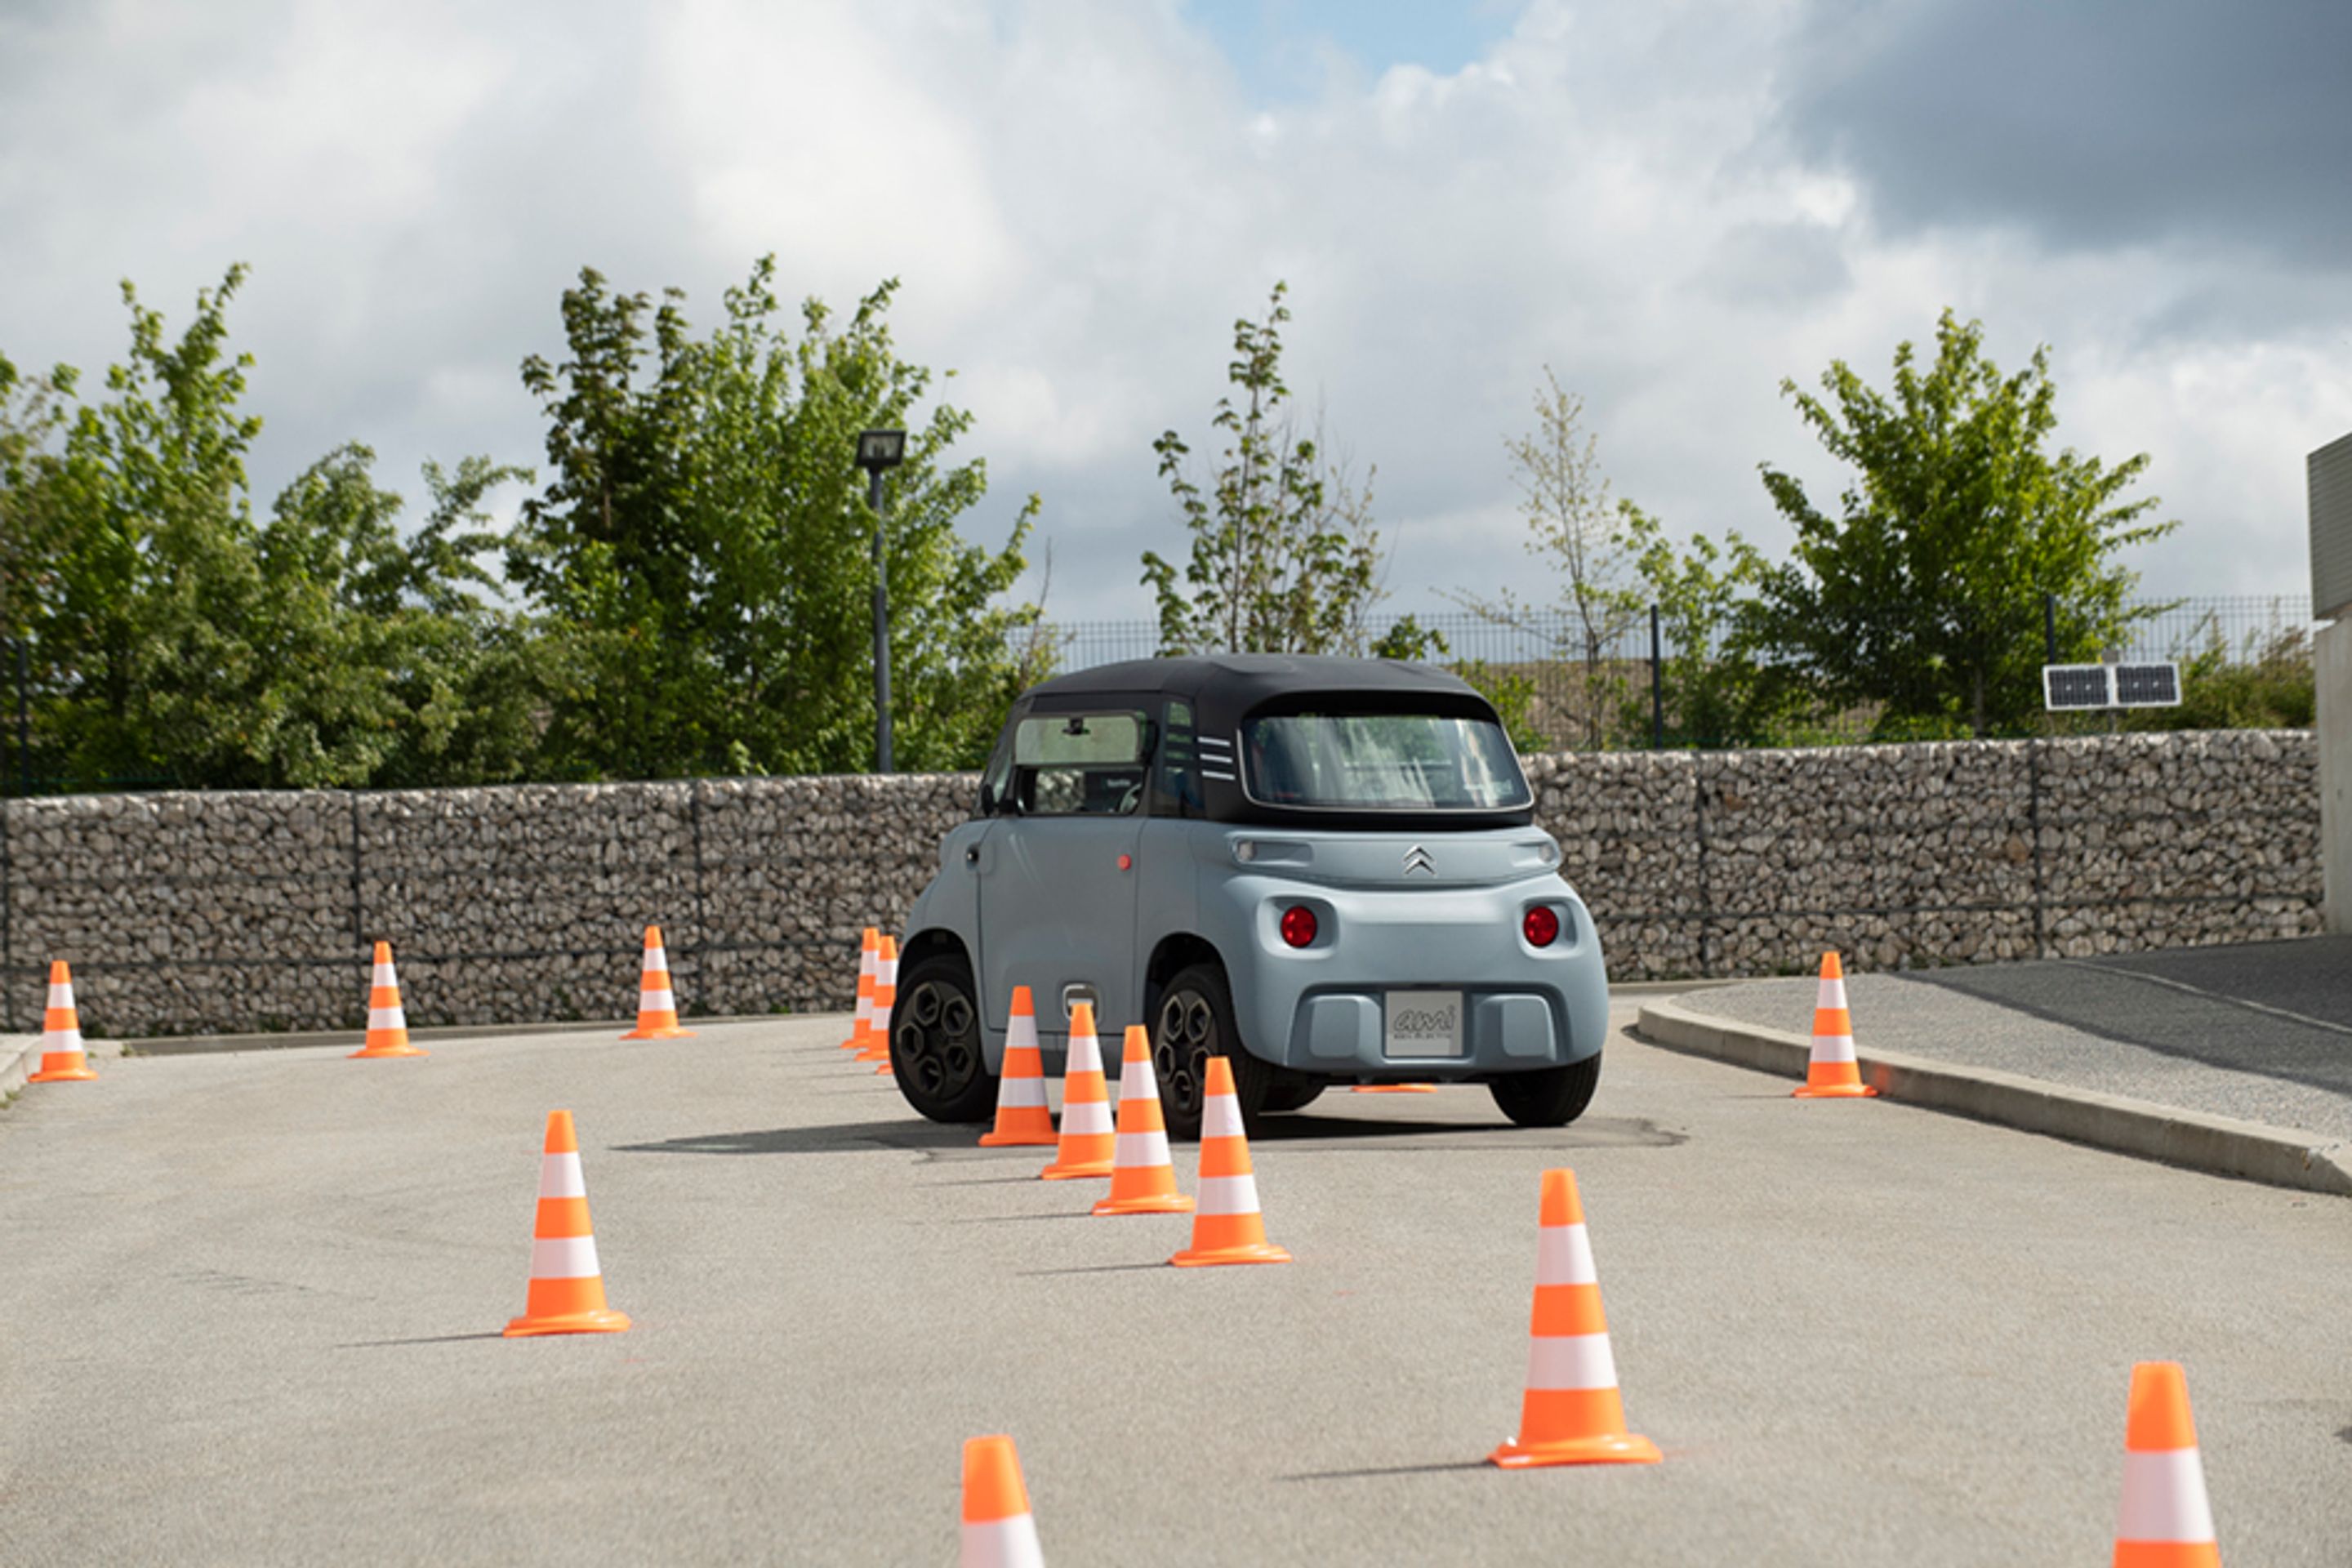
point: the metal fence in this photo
(1576, 693)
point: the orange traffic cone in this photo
(885, 997)
(869, 953)
(567, 1291)
(1088, 1145)
(657, 1003)
(1396, 1089)
(387, 1030)
(1142, 1176)
(1021, 1113)
(62, 1057)
(1571, 1413)
(1228, 1227)
(998, 1531)
(1833, 1074)
(2164, 1520)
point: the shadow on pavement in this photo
(1389, 1470)
(1300, 1131)
(840, 1138)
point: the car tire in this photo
(1553, 1097)
(1296, 1094)
(936, 1052)
(1193, 1022)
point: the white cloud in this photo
(1079, 200)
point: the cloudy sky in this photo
(1673, 205)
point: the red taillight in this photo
(1299, 925)
(1541, 926)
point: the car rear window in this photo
(1380, 761)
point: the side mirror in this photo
(987, 798)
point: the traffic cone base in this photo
(1603, 1450)
(1257, 1252)
(64, 1075)
(1833, 1091)
(1154, 1202)
(603, 1322)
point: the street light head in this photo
(880, 449)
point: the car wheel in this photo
(1297, 1094)
(934, 1046)
(1551, 1097)
(1195, 1022)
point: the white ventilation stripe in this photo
(1564, 1256)
(559, 1176)
(1000, 1543)
(1021, 1032)
(384, 977)
(1833, 1047)
(1136, 1082)
(387, 1018)
(1020, 1091)
(1832, 994)
(2164, 1497)
(61, 995)
(1571, 1361)
(1228, 1195)
(1087, 1116)
(1141, 1149)
(1221, 1117)
(564, 1258)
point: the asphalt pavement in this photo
(251, 1306)
(2259, 1031)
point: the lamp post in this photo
(879, 451)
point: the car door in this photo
(1057, 878)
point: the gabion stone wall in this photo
(233, 912)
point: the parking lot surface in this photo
(252, 1305)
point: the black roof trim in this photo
(1233, 684)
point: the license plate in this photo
(1425, 1024)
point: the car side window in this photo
(1081, 764)
(1176, 783)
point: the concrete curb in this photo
(204, 1045)
(2219, 1145)
(16, 1051)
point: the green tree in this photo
(1286, 557)
(700, 555)
(1715, 688)
(177, 640)
(1924, 596)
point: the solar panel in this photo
(2148, 686)
(2069, 688)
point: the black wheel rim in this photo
(1180, 1048)
(937, 1046)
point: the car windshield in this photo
(1381, 762)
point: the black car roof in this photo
(1233, 684)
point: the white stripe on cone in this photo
(1571, 1361)
(387, 1018)
(558, 1177)
(1833, 1049)
(2164, 1497)
(1832, 994)
(1136, 1083)
(1022, 1030)
(1020, 1091)
(1141, 1149)
(564, 1258)
(384, 974)
(1227, 1194)
(1564, 1256)
(1221, 1117)
(61, 995)
(1087, 1116)
(662, 1001)
(1001, 1543)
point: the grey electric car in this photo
(1323, 869)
